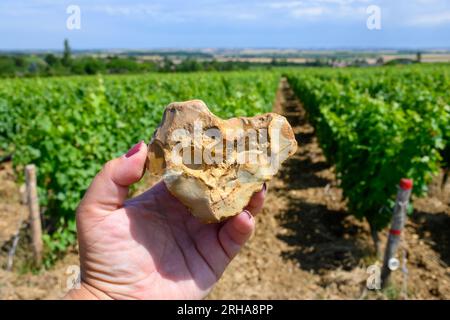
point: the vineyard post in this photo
(35, 218)
(398, 223)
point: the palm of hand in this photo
(156, 249)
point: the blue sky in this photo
(139, 24)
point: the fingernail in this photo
(249, 215)
(264, 188)
(135, 149)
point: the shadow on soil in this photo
(322, 239)
(435, 226)
(304, 138)
(308, 178)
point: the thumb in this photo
(235, 232)
(109, 189)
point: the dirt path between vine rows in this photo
(300, 232)
(306, 246)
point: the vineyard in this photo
(378, 127)
(374, 125)
(70, 127)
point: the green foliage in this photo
(69, 127)
(7, 65)
(378, 126)
(67, 54)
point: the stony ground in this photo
(306, 246)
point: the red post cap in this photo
(406, 184)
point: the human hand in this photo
(150, 247)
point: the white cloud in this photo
(317, 9)
(246, 16)
(125, 10)
(184, 13)
(306, 3)
(285, 5)
(428, 2)
(309, 12)
(431, 19)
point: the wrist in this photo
(86, 292)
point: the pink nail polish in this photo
(135, 149)
(264, 187)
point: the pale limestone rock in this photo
(214, 166)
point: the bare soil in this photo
(12, 211)
(306, 245)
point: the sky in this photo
(305, 24)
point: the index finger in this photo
(256, 202)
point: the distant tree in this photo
(19, 61)
(77, 66)
(87, 65)
(147, 66)
(212, 65)
(380, 61)
(189, 65)
(6, 66)
(167, 65)
(400, 61)
(51, 59)
(94, 66)
(33, 68)
(360, 62)
(67, 55)
(122, 65)
(318, 62)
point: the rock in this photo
(214, 166)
